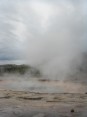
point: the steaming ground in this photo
(41, 85)
(24, 96)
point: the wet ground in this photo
(26, 104)
(41, 85)
(42, 98)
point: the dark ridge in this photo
(20, 69)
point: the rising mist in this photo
(56, 43)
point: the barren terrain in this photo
(54, 101)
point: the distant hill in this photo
(18, 69)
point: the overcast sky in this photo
(32, 28)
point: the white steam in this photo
(57, 47)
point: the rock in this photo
(72, 110)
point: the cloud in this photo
(10, 31)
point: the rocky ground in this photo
(28, 104)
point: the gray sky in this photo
(39, 31)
